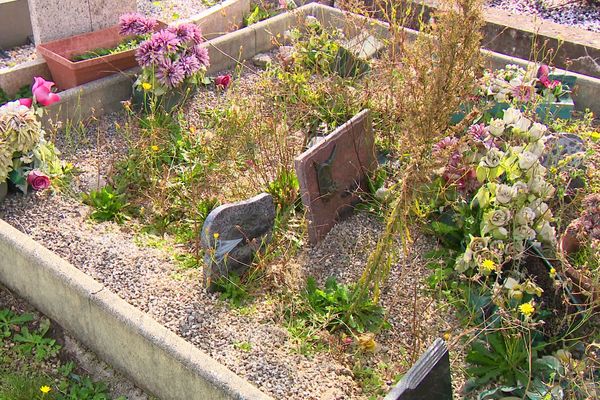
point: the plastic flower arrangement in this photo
(514, 84)
(172, 58)
(26, 158)
(513, 193)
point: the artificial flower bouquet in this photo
(27, 160)
(173, 60)
(537, 87)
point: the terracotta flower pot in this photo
(68, 74)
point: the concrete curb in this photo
(131, 341)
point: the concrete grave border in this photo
(130, 340)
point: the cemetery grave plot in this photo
(149, 180)
(252, 339)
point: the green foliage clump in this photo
(108, 205)
(332, 309)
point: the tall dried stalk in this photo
(422, 85)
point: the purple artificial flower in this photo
(479, 132)
(164, 41)
(187, 33)
(523, 93)
(201, 54)
(136, 24)
(147, 54)
(190, 64)
(169, 73)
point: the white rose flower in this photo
(511, 116)
(540, 208)
(497, 127)
(505, 193)
(522, 124)
(537, 131)
(521, 187)
(536, 147)
(523, 232)
(526, 160)
(547, 233)
(492, 158)
(500, 217)
(524, 216)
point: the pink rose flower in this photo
(38, 180)
(26, 102)
(223, 81)
(42, 92)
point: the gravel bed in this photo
(17, 55)
(147, 277)
(170, 10)
(578, 14)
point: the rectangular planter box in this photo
(67, 74)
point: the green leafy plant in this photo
(127, 44)
(285, 190)
(502, 356)
(10, 320)
(233, 290)
(258, 13)
(246, 347)
(108, 205)
(331, 307)
(35, 343)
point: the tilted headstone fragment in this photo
(428, 379)
(232, 233)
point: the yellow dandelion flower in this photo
(552, 273)
(527, 309)
(45, 389)
(155, 148)
(488, 266)
(216, 235)
(146, 86)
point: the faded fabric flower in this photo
(27, 102)
(136, 24)
(499, 217)
(526, 160)
(525, 216)
(42, 92)
(223, 81)
(497, 127)
(164, 41)
(523, 93)
(492, 158)
(511, 116)
(445, 143)
(201, 54)
(187, 33)
(169, 73)
(38, 180)
(505, 193)
(479, 131)
(537, 131)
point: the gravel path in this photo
(147, 277)
(576, 13)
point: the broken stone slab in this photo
(232, 233)
(428, 379)
(333, 172)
